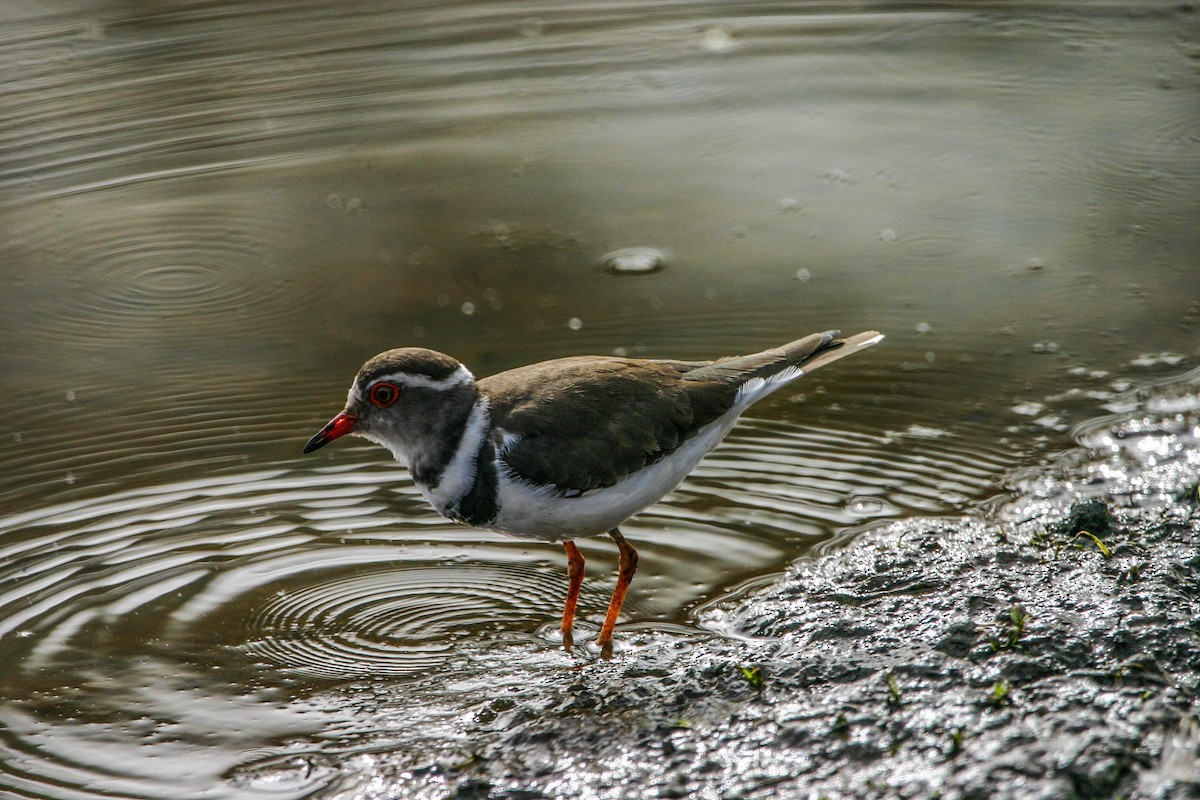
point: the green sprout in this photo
(1101, 546)
(1012, 631)
(754, 677)
(894, 694)
(1000, 695)
(957, 737)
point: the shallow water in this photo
(212, 214)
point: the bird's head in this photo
(411, 400)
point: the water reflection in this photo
(212, 213)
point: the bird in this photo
(563, 449)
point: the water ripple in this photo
(396, 620)
(177, 271)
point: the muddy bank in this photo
(1047, 649)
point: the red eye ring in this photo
(384, 394)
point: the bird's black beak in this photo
(339, 426)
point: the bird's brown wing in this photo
(585, 423)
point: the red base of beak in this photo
(339, 426)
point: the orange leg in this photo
(626, 566)
(575, 575)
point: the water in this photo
(212, 214)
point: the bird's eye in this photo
(384, 394)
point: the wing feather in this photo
(587, 422)
(584, 423)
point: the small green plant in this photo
(1040, 540)
(1000, 694)
(754, 677)
(1012, 630)
(957, 737)
(1100, 545)
(894, 694)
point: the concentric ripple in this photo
(932, 245)
(175, 269)
(397, 621)
(247, 555)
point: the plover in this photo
(563, 449)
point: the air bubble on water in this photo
(1028, 409)
(574, 323)
(930, 357)
(864, 506)
(924, 328)
(70, 478)
(925, 432)
(468, 308)
(1085, 372)
(787, 204)
(354, 204)
(887, 235)
(634, 261)
(1035, 264)
(70, 395)
(334, 200)
(717, 39)
(838, 177)
(1045, 347)
(803, 275)
(1149, 360)
(620, 352)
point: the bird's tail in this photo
(788, 361)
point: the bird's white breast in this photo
(539, 512)
(459, 473)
